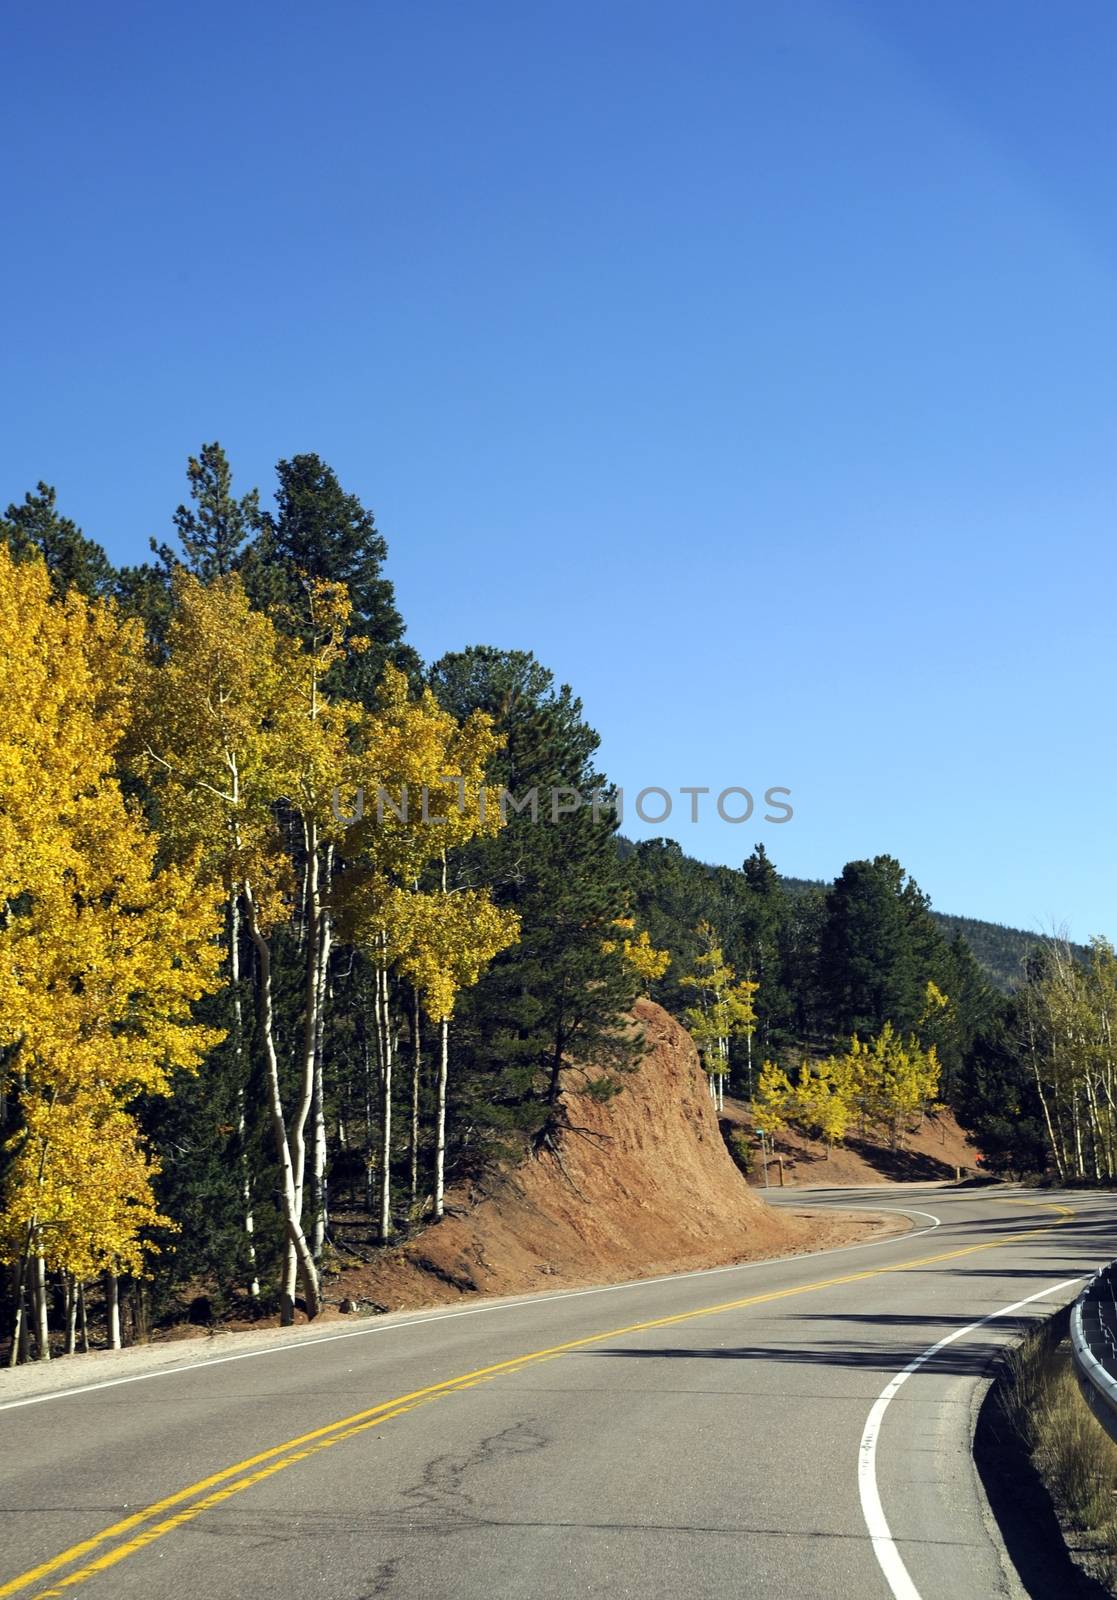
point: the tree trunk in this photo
(416, 1050)
(83, 1320)
(39, 1289)
(112, 1309)
(238, 1054)
(298, 1250)
(310, 1026)
(19, 1326)
(370, 1151)
(440, 1118)
(384, 1027)
(320, 1198)
(71, 1314)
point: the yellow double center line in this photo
(144, 1527)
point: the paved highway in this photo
(787, 1429)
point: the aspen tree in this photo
(102, 955)
(427, 773)
(442, 942)
(237, 725)
(725, 1009)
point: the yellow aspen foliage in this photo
(891, 1079)
(80, 1193)
(420, 777)
(822, 1101)
(235, 722)
(724, 1009)
(102, 955)
(639, 953)
(417, 782)
(773, 1104)
(443, 942)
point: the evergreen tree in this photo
(319, 533)
(211, 533)
(36, 528)
(559, 996)
(757, 945)
(996, 1098)
(869, 956)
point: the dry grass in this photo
(1071, 1450)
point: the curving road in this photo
(793, 1428)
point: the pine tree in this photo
(870, 966)
(557, 998)
(213, 531)
(36, 528)
(320, 533)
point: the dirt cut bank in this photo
(647, 1187)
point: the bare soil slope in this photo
(934, 1151)
(649, 1188)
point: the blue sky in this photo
(753, 364)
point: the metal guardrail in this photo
(1093, 1337)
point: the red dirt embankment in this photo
(648, 1188)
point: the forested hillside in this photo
(299, 931)
(1001, 952)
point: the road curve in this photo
(785, 1429)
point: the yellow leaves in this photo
(883, 1082)
(725, 1008)
(443, 942)
(647, 962)
(101, 955)
(79, 1192)
(771, 1108)
(420, 775)
(823, 1099)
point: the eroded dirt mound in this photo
(648, 1187)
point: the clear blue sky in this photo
(752, 363)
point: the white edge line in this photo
(205, 1362)
(884, 1545)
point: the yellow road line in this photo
(281, 1456)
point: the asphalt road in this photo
(742, 1432)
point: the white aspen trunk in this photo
(19, 1326)
(71, 1315)
(112, 1309)
(370, 1154)
(297, 1248)
(416, 1061)
(42, 1328)
(1076, 1124)
(440, 1118)
(238, 1056)
(297, 1132)
(384, 1024)
(83, 1320)
(320, 1221)
(1095, 1128)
